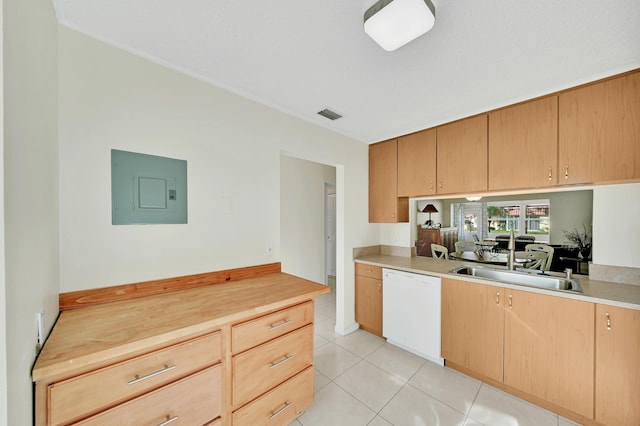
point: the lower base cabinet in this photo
(194, 400)
(549, 349)
(368, 286)
(540, 345)
(281, 405)
(617, 366)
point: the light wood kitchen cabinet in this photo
(191, 401)
(117, 383)
(297, 394)
(281, 348)
(417, 164)
(472, 324)
(542, 346)
(368, 295)
(599, 130)
(617, 366)
(266, 366)
(523, 145)
(549, 349)
(462, 156)
(384, 204)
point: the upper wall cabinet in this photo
(384, 204)
(523, 144)
(462, 156)
(417, 164)
(599, 132)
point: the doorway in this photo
(330, 234)
(308, 219)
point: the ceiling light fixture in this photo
(394, 23)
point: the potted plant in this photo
(580, 239)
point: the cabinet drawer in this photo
(257, 331)
(259, 369)
(194, 400)
(370, 271)
(106, 387)
(281, 405)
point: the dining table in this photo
(497, 258)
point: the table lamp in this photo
(429, 208)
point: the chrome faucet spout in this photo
(511, 260)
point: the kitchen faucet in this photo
(512, 252)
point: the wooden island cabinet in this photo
(238, 352)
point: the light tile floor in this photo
(362, 380)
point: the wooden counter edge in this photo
(96, 296)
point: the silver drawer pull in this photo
(282, 361)
(280, 324)
(169, 420)
(138, 379)
(277, 413)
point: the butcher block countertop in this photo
(89, 337)
(608, 293)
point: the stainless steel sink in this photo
(528, 277)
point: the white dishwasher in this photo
(411, 312)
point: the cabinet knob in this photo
(608, 320)
(566, 172)
(510, 301)
(550, 174)
(440, 185)
(497, 297)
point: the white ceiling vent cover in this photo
(331, 115)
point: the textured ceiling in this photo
(300, 56)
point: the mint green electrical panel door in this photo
(147, 189)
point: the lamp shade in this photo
(394, 23)
(429, 208)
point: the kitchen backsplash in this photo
(616, 274)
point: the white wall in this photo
(111, 99)
(3, 318)
(616, 225)
(302, 233)
(30, 190)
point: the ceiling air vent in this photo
(331, 115)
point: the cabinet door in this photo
(384, 204)
(599, 132)
(417, 164)
(472, 326)
(549, 349)
(617, 366)
(462, 156)
(369, 304)
(523, 145)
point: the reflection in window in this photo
(537, 219)
(530, 217)
(471, 223)
(502, 219)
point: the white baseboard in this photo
(347, 330)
